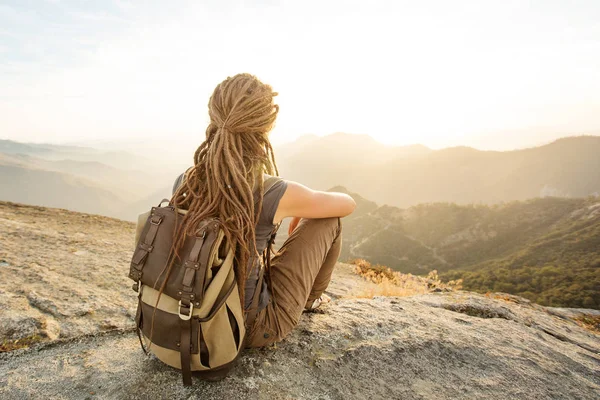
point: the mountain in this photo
(338, 159)
(131, 211)
(112, 183)
(67, 317)
(54, 152)
(127, 184)
(55, 189)
(545, 249)
(343, 146)
(397, 175)
(405, 176)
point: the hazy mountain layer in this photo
(399, 176)
(56, 189)
(405, 176)
(127, 184)
(111, 183)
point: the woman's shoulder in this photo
(274, 185)
(271, 180)
(274, 189)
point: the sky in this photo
(488, 74)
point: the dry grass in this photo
(509, 298)
(590, 322)
(393, 283)
(10, 345)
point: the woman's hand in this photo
(293, 224)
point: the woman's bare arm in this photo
(300, 201)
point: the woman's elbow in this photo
(349, 207)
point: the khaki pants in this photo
(300, 273)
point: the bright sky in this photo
(491, 74)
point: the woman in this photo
(228, 181)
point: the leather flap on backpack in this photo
(158, 258)
(141, 222)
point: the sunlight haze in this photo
(493, 75)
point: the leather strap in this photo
(204, 356)
(267, 262)
(185, 349)
(192, 265)
(138, 325)
(186, 307)
(253, 312)
(165, 200)
(144, 248)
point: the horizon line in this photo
(90, 143)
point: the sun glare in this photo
(483, 74)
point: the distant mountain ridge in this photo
(111, 183)
(405, 176)
(55, 189)
(397, 175)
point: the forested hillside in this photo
(545, 249)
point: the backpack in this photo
(198, 324)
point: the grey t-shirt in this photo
(264, 228)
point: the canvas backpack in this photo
(198, 323)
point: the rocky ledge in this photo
(446, 345)
(436, 346)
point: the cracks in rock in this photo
(45, 306)
(480, 312)
(565, 339)
(487, 312)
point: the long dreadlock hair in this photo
(228, 167)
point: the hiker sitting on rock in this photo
(233, 164)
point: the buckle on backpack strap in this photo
(190, 308)
(156, 220)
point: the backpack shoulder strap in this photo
(253, 310)
(180, 180)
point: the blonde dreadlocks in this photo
(229, 166)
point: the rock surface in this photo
(62, 273)
(436, 346)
